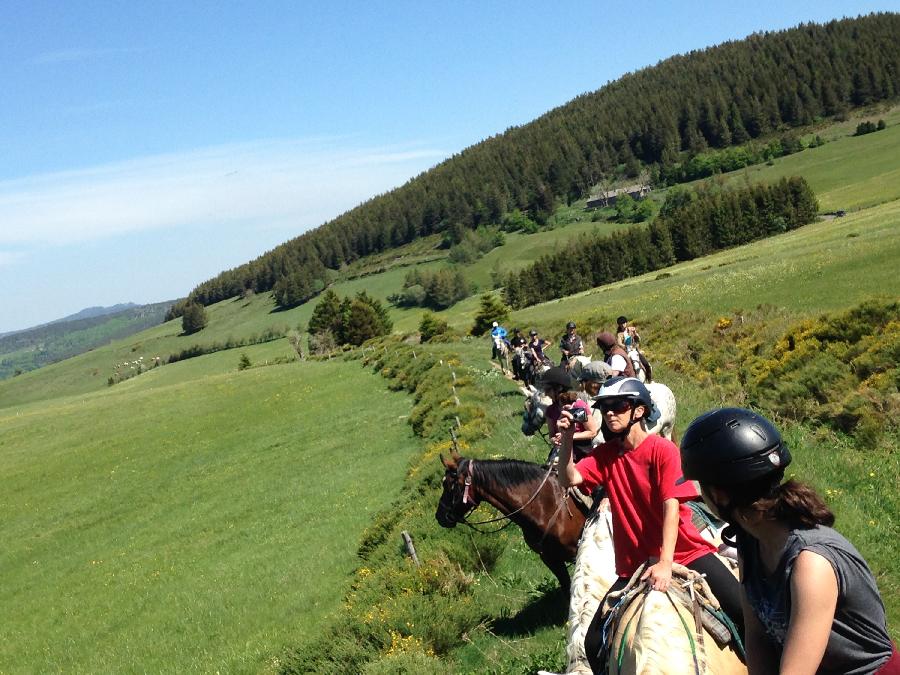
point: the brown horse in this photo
(527, 494)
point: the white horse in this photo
(595, 573)
(502, 350)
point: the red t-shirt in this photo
(637, 483)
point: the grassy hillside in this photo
(197, 519)
(31, 349)
(848, 172)
(193, 517)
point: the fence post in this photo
(407, 540)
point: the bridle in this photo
(466, 468)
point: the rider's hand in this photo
(659, 576)
(556, 439)
(565, 424)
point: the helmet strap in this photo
(620, 435)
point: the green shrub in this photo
(431, 326)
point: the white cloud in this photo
(297, 184)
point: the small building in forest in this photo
(636, 192)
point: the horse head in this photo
(457, 498)
(535, 412)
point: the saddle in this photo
(687, 588)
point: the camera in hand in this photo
(578, 415)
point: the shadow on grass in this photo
(550, 609)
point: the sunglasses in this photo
(615, 405)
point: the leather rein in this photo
(467, 468)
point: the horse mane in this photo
(508, 472)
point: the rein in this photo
(470, 471)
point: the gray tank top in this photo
(859, 641)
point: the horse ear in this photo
(455, 456)
(451, 463)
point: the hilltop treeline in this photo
(691, 223)
(658, 117)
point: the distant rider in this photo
(498, 336)
(536, 346)
(616, 358)
(628, 339)
(571, 344)
(517, 342)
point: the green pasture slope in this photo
(201, 518)
(848, 172)
(192, 519)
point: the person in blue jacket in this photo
(498, 335)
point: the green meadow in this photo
(201, 518)
(193, 519)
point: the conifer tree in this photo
(491, 309)
(193, 318)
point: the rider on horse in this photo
(517, 342)
(498, 337)
(629, 339)
(650, 519)
(616, 357)
(570, 345)
(562, 390)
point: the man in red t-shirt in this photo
(650, 519)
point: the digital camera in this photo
(578, 415)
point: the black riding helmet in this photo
(732, 446)
(570, 325)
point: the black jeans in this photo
(721, 582)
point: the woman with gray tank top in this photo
(811, 604)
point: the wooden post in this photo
(407, 540)
(453, 373)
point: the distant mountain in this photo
(32, 348)
(91, 312)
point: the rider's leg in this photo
(593, 639)
(724, 586)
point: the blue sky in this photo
(148, 146)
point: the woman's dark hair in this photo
(621, 320)
(792, 502)
(568, 397)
